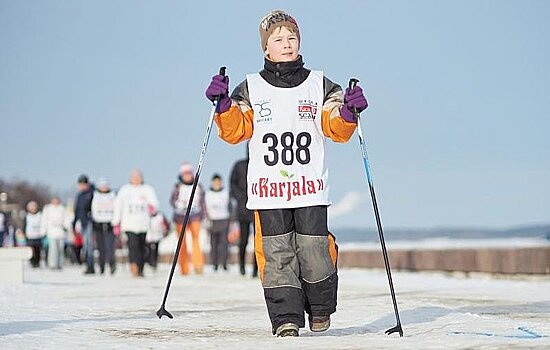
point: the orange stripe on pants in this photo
(197, 258)
(258, 246)
(333, 249)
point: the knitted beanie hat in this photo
(274, 20)
(186, 168)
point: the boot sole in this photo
(288, 330)
(319, 326)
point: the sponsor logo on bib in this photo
(307, 109)
(262, 112)
(287, 189)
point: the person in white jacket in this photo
(53, 226)
(103, 206)
(33, 233)
(134, 205)
(218, 213)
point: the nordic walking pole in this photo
(162, 311)
(352, 83)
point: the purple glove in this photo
(219, 88)
(354, 101)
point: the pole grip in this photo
(353, 83)
(221, 72)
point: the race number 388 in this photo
(287, 148)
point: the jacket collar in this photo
(285, 74)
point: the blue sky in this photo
(456, 129)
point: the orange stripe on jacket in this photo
(335, 127)
(235, 125)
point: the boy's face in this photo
(282, 45)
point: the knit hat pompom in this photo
(274, 20)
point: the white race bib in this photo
(287, 166)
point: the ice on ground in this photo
(67, 310)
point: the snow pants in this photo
(105, 240)
(136, 249)
(197, 257)
(152, 253)
(87, 233)
(296, 257)
(55, 252)
(218, 242)
(36, 245)
(243, 243)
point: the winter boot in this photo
(287, 330)
(319, 323)
(134, 270)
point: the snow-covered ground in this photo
(67, 310)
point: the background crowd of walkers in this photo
(101, 221)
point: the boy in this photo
(287, 111)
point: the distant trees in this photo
(20, 192)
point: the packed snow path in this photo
(223, 310)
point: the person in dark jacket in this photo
(82, 222)
(244, 215)
(5, 224)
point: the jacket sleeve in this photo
(174, 196)
(236, 124)
(237, 190)
(153, 199)
(334, 126)
(76, 209)
(25, 226)
(117, 209)
(44, 220)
